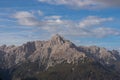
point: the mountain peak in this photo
(57, 39)
(57, 36)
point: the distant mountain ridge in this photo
(55, 51)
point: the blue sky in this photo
(84, 22)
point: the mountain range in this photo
(58, 59)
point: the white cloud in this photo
(52, 17)
(55, 24)
(95, 32)
(92, 21)
(88, 4)
(102, 32)
(26, 18)
(23, 14)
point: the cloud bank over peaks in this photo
(90, 26)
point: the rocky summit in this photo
(51, 53)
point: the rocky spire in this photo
(57, 39)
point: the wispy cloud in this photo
(90, 26)
(26, 18)
(93, 21)
(82, 4)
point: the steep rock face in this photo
(1, 58)
(51, 52)
(31, 58)
(14, 55)
(56, 50)
(101, 54)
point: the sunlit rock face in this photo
(37, 58)
(51, 52)
(54, 51)
(101, 54)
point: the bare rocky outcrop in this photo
(51, 52)
(32, 58)
(56, 50)
(101, 54)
